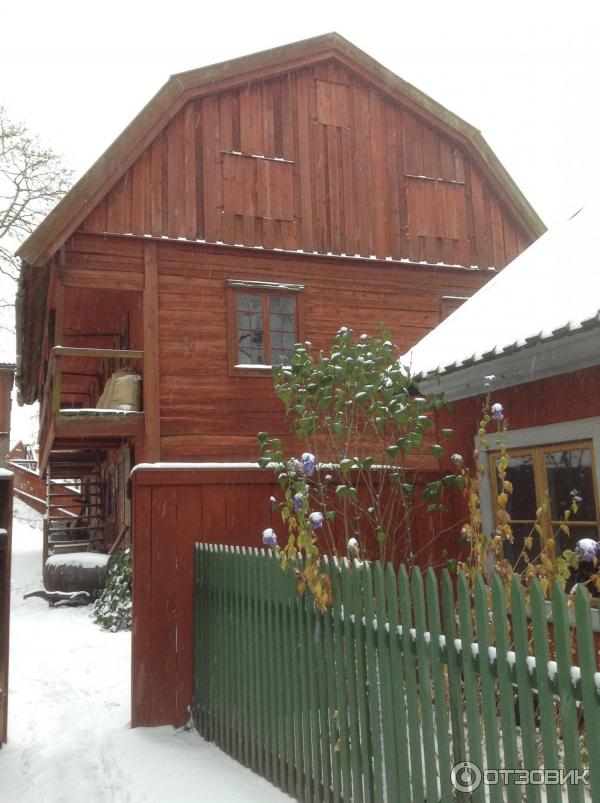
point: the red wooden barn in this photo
(531, 337)
(251, 204)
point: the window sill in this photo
(595, 616)
(251, 370)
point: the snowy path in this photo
(69, 735)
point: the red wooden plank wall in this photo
(208, 414)
(172, 510)
(315, 160)
(553, 400)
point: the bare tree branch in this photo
(32, 180)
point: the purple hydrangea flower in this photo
(309, 463)
(497, 411)
(316, 519)
(587, 549)
(298, 502)
(269, 538)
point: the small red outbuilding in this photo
(530, 338)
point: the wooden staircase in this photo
(74, 503)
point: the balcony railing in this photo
(56, 420)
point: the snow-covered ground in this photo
(69, 734)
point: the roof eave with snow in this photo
(546, 358)
(538, 317)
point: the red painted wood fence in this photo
(174, 507)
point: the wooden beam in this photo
(45, 446)
(60, 298)
(104, 423)
(151, 371)
(73, 351)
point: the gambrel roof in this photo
(69, 214)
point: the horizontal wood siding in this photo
(103, 263)
(566, 397)
(314, 160)
(208, 414)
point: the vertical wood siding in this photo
(172, 510)
(318, 161)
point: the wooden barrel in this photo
(75, 571)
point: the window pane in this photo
(279, 357)
(250, 329)
(242, 301)
(570, 474)
(282, 314)
(288, 323)
(276, 322)
(515, 552)
(288, 304)
(522, 501)
(577, 532)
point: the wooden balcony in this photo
(65, 423)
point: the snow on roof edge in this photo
(179, 466)
(550, 290)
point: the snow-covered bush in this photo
(112, 609)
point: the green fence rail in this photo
(404, 679)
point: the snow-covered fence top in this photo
(338, 707)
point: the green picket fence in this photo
(402, 680)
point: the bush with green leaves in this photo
(363, 421)
(112, 609)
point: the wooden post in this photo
(59, 301)
(57, 334)
(151, 355)
(7, 373)
(6, 515)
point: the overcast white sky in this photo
(525, 73)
